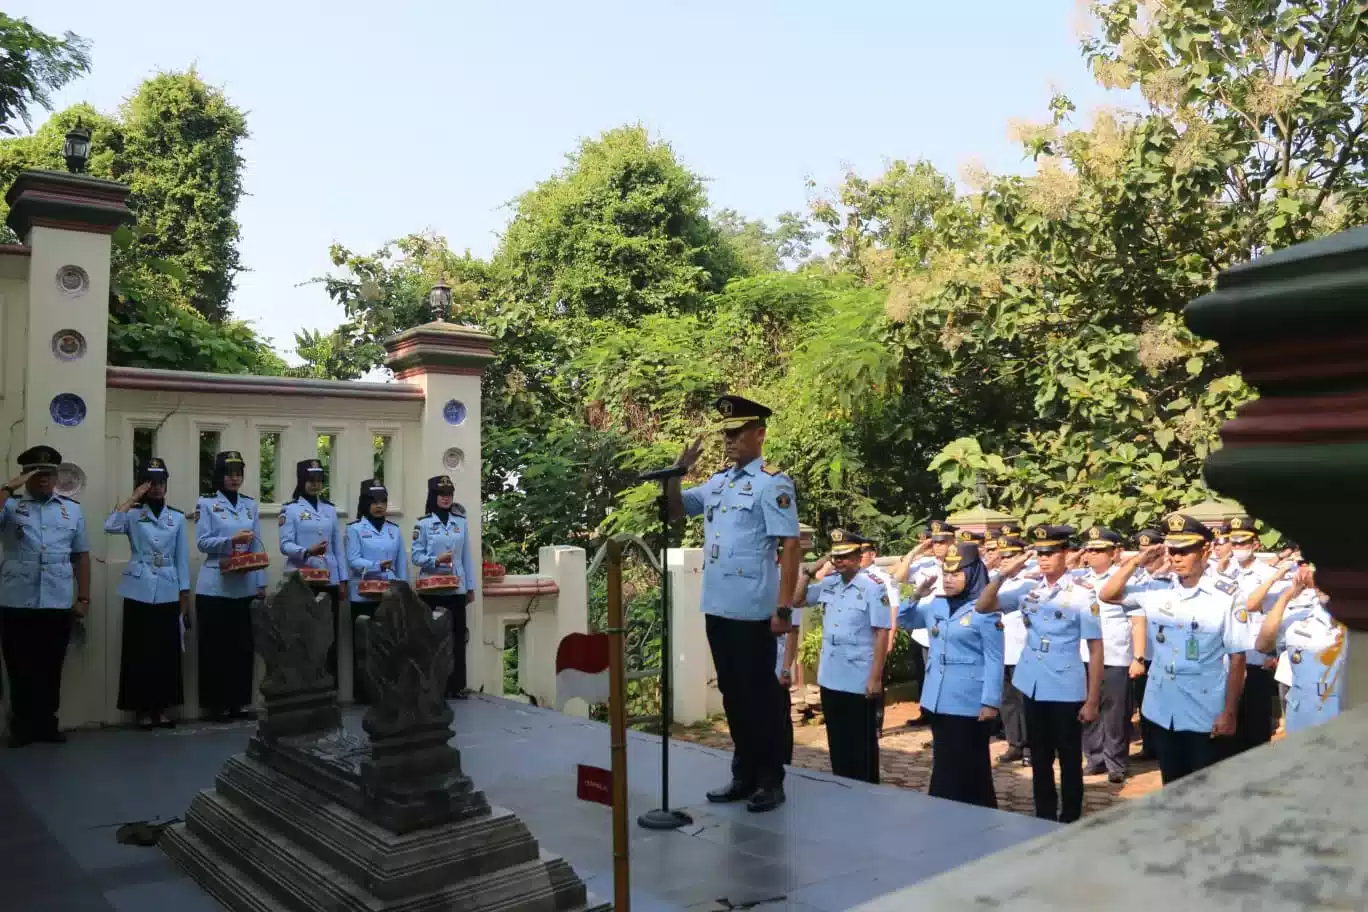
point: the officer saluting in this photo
(857, 618)
(749, 512)
(44, 583)
(1191, 628)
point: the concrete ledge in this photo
(1281, 827)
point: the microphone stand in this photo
(663, 817)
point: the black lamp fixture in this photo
(439, 300)
(76, 149)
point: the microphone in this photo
(671, 471)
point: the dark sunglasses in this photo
(1179, 552)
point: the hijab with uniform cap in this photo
(224, 463)
(307, 470)
(154, 470)
(966, 560)
(439, 485)
(372, 491)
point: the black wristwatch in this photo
(784, 612)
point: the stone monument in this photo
(314, 817)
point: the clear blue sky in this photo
(372, 120)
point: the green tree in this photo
(33, 64)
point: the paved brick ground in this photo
(905, 761)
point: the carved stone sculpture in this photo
(293, 632)
(318, 818)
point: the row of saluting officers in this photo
(45, 582)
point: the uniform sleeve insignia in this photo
(280, 520)
(415, 533)
(784, 500)
(1242, 616)
(1096, 609)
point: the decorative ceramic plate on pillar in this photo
(453, 459)
(70, 480)
(454, 412)
(68, 345)
(72, 281)
(67, 409)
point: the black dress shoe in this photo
(766, 799)
(1011, 755)
(1116, 778)
(736, 790)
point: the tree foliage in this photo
(174, 142)
(32, 65)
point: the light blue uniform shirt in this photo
(1190, 634)
(367, 548)
(1317, 648)
(302, 525)
(41, 540)
(1056, 618)
(158, 568)
(965, 671)
(851, 612)
(216, 522)
(432, 538)
(746, 511)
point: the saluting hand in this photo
(14, 484)
(141, 489)
(691, 453)
(1009, 569)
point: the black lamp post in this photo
(439, 300)
(76, 149)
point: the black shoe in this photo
(1116, 778)
(53, 737)
(1011, 755)
(766, 800)
(166, 723)
(1095, 769)
(918, 722)
(736, 790)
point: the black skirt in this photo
(227, 660)
(150, 663)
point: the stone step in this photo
(250, 868)
(387, 864)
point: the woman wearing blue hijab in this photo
(963, 686)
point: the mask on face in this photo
(1244, 555)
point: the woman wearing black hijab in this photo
(963, 687)
(227, 523)
(441, 548)
(375, 551)
(156, 596)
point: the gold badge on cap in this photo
(315, 464)
(1094, 533)
(725, 408)
(1176, 523)
(838, 536)
(1041, 533)
(445, 480)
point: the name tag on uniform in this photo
(1044, 644)
(715, 552)
(1192, 649)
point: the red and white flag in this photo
(582, 668)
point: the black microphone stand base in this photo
(664, 819)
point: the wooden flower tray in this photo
(315, 575)
(372, 587)
(438, 585)
(245, 563)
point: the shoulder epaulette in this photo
(69, 499)
(1226, 586)
(326, 501)
(390, 522)
(246, 497)
(771, 470)
(424, 516)
(174, 510)
(355, 521)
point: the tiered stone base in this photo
(264, 842)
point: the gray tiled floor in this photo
(835, 844)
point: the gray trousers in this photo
(1106, 742)
(1013, 711)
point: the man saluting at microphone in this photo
(749, 513)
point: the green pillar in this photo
(1295, 324)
